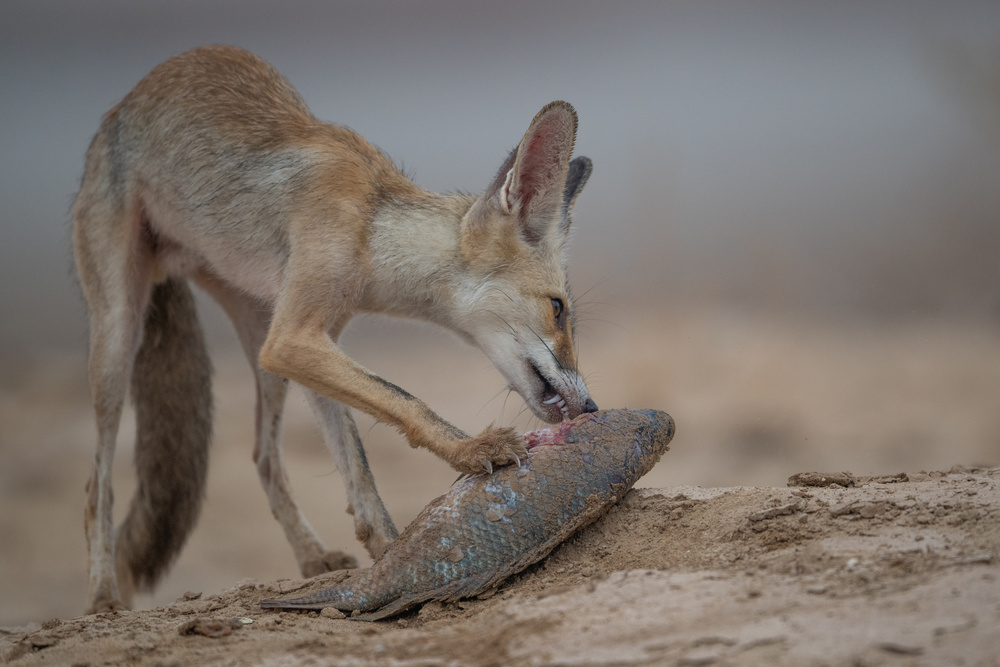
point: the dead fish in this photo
(488, 527)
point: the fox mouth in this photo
(550, 399)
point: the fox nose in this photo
(590, 406)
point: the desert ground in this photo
(713, 559)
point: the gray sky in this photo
(802, 155)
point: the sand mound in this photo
(882, 569)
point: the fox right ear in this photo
(531, 184)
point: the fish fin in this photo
(391, 609)
(457, 590)
(294, 603)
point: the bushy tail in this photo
(172, 395)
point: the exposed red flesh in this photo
(552, 436)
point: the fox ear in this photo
(532, 183)
(579, 172)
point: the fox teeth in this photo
(556, 398)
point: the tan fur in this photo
(213, 169)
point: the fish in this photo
(487, 527)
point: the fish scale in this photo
(490, 526)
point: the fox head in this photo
(517, 303)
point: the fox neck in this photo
(416, 266)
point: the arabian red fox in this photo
(214, 170)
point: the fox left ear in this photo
(534, 186)
(579, 172)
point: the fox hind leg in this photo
(372, 523)
(114, 269)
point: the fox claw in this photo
(485, 452)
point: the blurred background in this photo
(791, 242)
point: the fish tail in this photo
(336, 596)
(351, 594)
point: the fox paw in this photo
(328, 561)
(105, 604)
(492, 448)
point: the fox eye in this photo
(559, 312)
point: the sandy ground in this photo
(892, 570)
(885, 571)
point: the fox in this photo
(212, 171)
